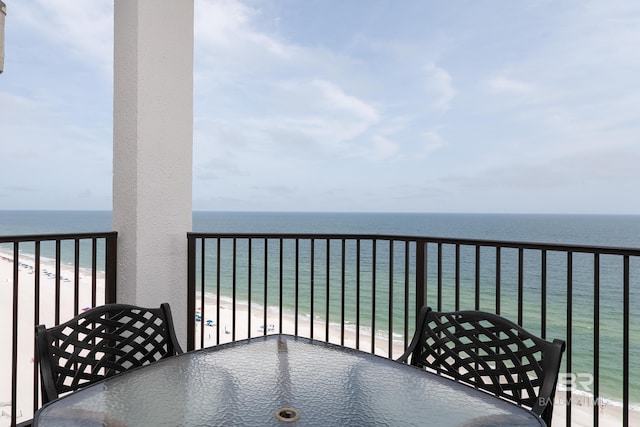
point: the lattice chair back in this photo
(488, 352)
(102, 342)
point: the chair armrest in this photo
(424, 311)
(405, 356)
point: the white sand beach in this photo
(26, 322)
(582, 407)
(273, 325)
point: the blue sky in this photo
(389, 106)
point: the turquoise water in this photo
(616, 231)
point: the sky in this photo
(346, 106)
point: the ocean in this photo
(589, 230)
(599, 230)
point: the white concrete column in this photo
(152, 151)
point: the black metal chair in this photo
(102, 342)
(488, 352)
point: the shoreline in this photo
(582, 406)
(245, 330)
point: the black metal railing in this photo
(364, 291)
(361, 291)
(51, 278)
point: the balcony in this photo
(361, 291)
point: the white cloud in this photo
(248, 73)
(84, 29)
(335, 97)
(221, 23)
(15, 108)
(504, 85)
(440, 85)
(317, 113)
(432, 142)
(609, 165)
(545, 98)
(219, 167)
(227, 25)
(382, 149)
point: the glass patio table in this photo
(279, 380)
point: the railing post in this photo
(420, 275)
(14, 345)
(625, 340)
(191, 291)
(110, 268)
